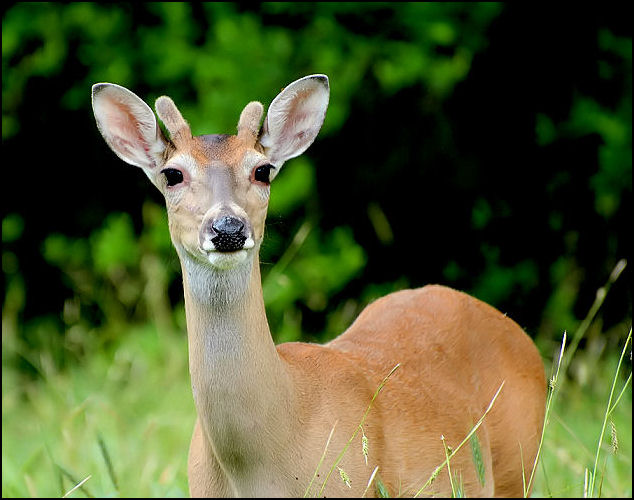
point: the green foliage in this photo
(115, 271)
(310, 271)
(212, 69)
(498, 281)
(12, 228)
(442, 128)
(292, 189)
(175, 52)
(215, 57)
(114, 246)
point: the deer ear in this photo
(128, 126)
(294, 118)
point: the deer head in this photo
(216, 187)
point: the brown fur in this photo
(454, 352)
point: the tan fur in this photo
(172, 119)
(454, 351)
(249, 123)
(265, 412)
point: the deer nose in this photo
(227, 225)
(229, 234)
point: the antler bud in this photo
(172, 118)
(249, 123)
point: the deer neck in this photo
(242, 390)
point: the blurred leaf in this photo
(319, 270)
(292, 186)
(498, 282)
(12, 228)
(115, 244)
(65, 253)
(400, 138)
(481, 213)
(545, 130)
(155, 229)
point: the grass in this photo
(563, 362)
(552, 387)
(572, 436)
(120, 424)
(611, 406)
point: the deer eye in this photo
(262, 173)
(173, 176)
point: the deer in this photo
(273, 419)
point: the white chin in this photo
(226, 260)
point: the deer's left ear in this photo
(294, 118)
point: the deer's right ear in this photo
(129, 126)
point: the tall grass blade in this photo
(78, 485)
(596, 305)
(321, 460)
(448, 460)
(550, 493)
(627, 383)
(106, 458)
(30, 485)
(295, 245)
(459, 492)
(359, 427)
(608, 411)
(74, 481)
(605, 463)
(457, 449)
(552, 387)
(370, 481)
(381, 489)
(56, 469)
(476, 455)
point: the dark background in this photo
(482, 146)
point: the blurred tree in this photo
(485, 146)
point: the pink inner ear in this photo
(126, 126)
(125, 133)
(124, 146)
(294, 119)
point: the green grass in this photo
(573, 431)
(124, 419)
(131, 408)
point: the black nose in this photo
(227, 225)
(229, 236)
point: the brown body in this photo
(454, 352)
(266, 413)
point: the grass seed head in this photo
(364, 447)
(614, 440)
(344, 477)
